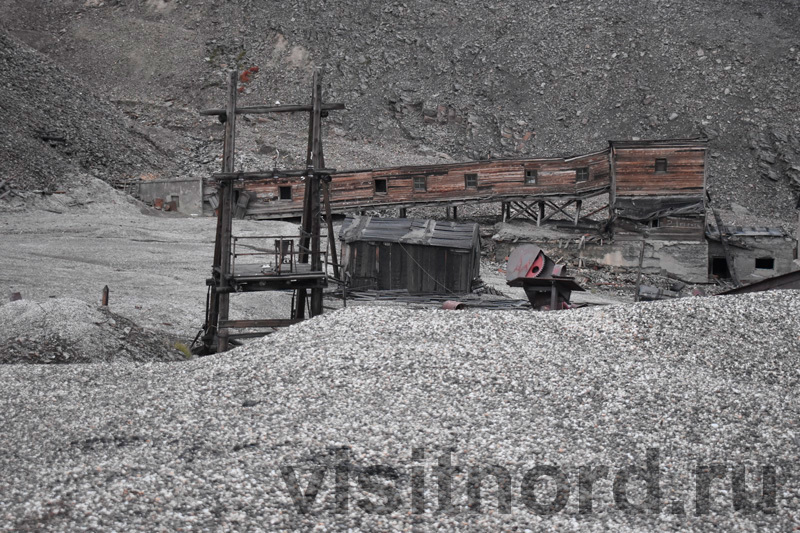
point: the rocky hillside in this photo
(466, 78)
(56, 127)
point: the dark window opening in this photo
(582, 174)
(285, 192)
(471, 181)
(719, 268)
(661, 165)
(766, 263)
(654, 223)
(531, 177)
(420, 183)
(380, 186)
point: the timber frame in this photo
(302, 270)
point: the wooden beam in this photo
(266, 323)
(596, 211)
(723, 238)
(557, 209)
(326, 198)
(512, 210)
(526, 209)
(263, 109)
(219, 299)
(268, 174)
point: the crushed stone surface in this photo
(66, 330)
(200, 445)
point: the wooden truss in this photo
(542, 209)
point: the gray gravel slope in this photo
(201, 444)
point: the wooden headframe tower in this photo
(307, 271)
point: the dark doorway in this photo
(719, 268)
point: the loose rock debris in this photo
(65, 330)
(209, 443)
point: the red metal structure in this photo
(545, 282)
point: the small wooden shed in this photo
(423, 256)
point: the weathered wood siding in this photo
(420, 269)
(636, 173)
(496, 180)
(687, 228)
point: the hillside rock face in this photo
(470, 79)
(55, 125)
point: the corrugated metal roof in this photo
(748, 231)
(461, 235)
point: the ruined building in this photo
(638, 193)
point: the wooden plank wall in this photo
(636, 171)
(497, 180)
(420, 269)
(687, 228)
(502, 180)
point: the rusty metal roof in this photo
(460, 235)
(747, 231)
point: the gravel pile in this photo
(64, 330)
(56, 126)
(212, 444)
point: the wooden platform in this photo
(252, 278)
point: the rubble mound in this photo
(232, 441)
(56, 127)
(65, 330)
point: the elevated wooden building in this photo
(659, 186)
(655, 184)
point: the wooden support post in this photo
(503, 210)
(540, 213)
(455, 213)
(218, 306)
(300, 304)
(402, 212)
(612, 190)
(326, 196)
(578, 204)
(723, 238)
(553, 296)
(315, 160)
(639, 272)
(104, 300)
